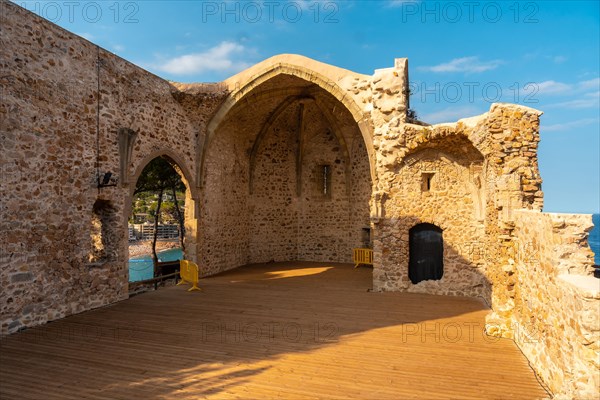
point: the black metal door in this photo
(426, 253)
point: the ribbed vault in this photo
(289, 164)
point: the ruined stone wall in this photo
(71, 110)
(63, 106)
(482, 169)
(556, 317)
(533, 268)
(375, 176)
(449, 203)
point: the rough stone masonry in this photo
(289, 160)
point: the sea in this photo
(140, 268)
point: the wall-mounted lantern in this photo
(107, 179)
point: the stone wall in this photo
(482, 169)
(274, 202)
(252, 151)
(72, 111)
(224, 224)
(556, 315)
(64, 104)
(324, 228)
(452, 203)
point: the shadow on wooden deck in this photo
(282, 330)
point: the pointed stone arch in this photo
(287, 102)
(191, 196)
(261, 196)
(323, 76)
(175, 160)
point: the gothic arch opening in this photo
(287, 178)
(160, 179)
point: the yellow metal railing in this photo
(189, 272)
(362, 256)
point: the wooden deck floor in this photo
(292, 331)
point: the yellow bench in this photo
(362, 256)
(189, 272)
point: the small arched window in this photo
(426, 253)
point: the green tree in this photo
(159, 177)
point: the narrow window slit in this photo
(426, 178)
(325, 180)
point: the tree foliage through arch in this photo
(159, 177)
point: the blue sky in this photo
(463, 56)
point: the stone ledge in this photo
(512, 106)
(588, 285)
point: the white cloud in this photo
(569, 125)
(222, 57)
(559, 59)
(589, 84)
(582, 88)
(450, 114)
(400, 3)
(119, 47)
(587, 102)
(464, 64)
(553, 87)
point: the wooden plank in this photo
(287, 330)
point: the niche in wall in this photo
(103, 230)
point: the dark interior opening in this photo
(426, 253)
(426, 181)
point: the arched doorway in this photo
(426, 253)
(170, 236)
(287, 175)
